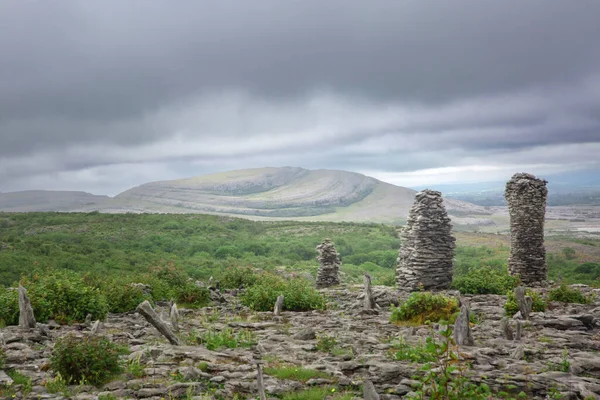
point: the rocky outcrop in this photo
(329, 260)
(363, 349)
(425, 258)
(526, 198)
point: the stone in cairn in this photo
(526, 198)
(329, 270)
(427, 250)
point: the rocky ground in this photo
(558, 352)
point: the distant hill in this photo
(271, 193)
(47, 200)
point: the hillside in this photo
(262, 193)
(275, 193)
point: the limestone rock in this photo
(329, 269)
(427, 250)
(526, 198)
(26, 317)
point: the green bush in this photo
(538, 302)
(299, 294)
(235, 277)
(228, 251)
(421, 307)
(485, 280)
(2, 357)
(123, 297)
(567, 294)
(65, 297)
(192, 295)
(9, 307)
(91, 359)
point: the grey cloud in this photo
(402, 85)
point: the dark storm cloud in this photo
(381, 85)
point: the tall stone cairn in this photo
(427, 250)
(329, 270)
(526, 198)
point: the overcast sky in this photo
(102, 95)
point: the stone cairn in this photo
(526, 198)
(329, 270)
(425, 258)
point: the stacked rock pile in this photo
(425, 258)
(329, 259)
(526, 198)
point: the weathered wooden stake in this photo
(26, 317)
(368, 301)
(506, 329)
(278, 305)
(462, 328)
(174, 314)
(369, 391)
(260, 382)
(145, 309)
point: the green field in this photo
(76, 263)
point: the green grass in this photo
(318, 393)
(403, 351)
(227, 338)
(296, 373)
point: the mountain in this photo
(275, 193)
(47, 200)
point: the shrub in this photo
(299, 294)
(588, 268)
(538, 302)
(9, 307)
(90, 359)
(2, 357)
(425, 306)
(418, 353)
(224, 252)
(235, 277)
(567, 294)
(446, 376)
(64, 296)
(123, 297)
(192, 295)
(485, 280)
(326, 343)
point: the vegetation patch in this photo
(2, 357)
(538, 302)
(485, 280)
(299, 294)
(214, 340)
(318, 393)
(403, 351)
(567, 294)
(90, 359)
(421, 307)
(64, 296)
(296, 373)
